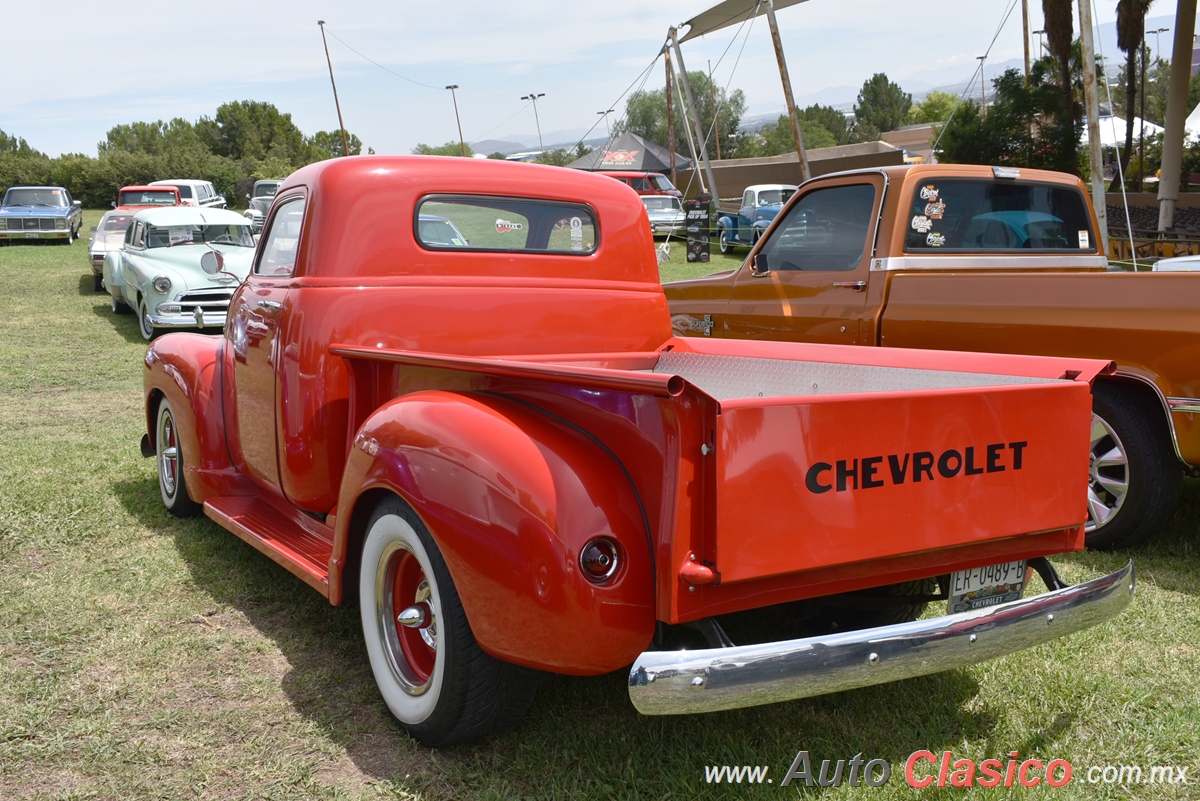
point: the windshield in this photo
(184, 190)
(437, 231)
(35, 197)
(265, 190)
(663, 184)
(663, 203)
(771, 197)
(169, 236)
(117, 222)
(148, 197)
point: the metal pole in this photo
(982, 84)
(607, 127)
(1142, 123)
(712, 93)
(697, 165)
(691, 103)
(1091, 97)
(534, 97)
(1177, 111)
(461, 141)
(801, 152)
(1025, 36)
(670, 113)
(337, 105)
(1041, 44)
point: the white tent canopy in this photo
(1191, 126)
(1112, 131)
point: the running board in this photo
(290, 537)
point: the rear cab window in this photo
(499, 224)
(971, 215)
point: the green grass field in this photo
(144, 657)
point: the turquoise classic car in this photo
(157, 270)
(39, 213)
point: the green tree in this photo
(646, 116)
(882, 105)
(776, 138)
(497, 155)
(1060, 33)
(449, 149)
(1019, 130)
(835, 122)
(936, 107)
(1131, 30)
(250, 129)
(328, 144)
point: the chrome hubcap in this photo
(168, 454)
(407, 618)
(1108, 474)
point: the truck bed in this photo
(801, 468)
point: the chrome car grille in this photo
(209, 300)
(30, 224)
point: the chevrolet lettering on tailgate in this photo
(847, 474)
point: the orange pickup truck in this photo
(994, 259)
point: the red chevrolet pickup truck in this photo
(449, 389)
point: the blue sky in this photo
(74, 69)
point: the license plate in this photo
(31, 235)
(986, 586)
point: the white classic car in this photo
(157, 270)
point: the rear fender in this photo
(186, 369)
(511, 495)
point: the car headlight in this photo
(162, 285)
(60, 223)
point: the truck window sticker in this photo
(993, 216)
(825, 231)
(502, 224)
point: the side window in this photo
(139, 235)
(277, 256)
(447, 222)
(129, 234)
(748, 198)
(826, 230)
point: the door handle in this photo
(272, 305)
(857, 286)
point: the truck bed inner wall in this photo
(1147, 322)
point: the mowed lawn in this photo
(144, 657)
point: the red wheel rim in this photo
(410, 587)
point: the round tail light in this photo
(599, 559)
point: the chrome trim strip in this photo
(713, 679)
(952, 262)
(1164, 404)
(1183, 405)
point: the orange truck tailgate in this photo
(821, 464)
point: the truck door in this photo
(812, 287)
(745, 218)
(255, 315)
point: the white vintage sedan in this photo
(157, 272)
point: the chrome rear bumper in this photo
(709, 680)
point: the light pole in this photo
(982, 84)
(534, 97)
(605, 114)
(1041, 44)
(342, 125)
(454, 97)
(1157, 41)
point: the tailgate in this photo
(820, 464)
